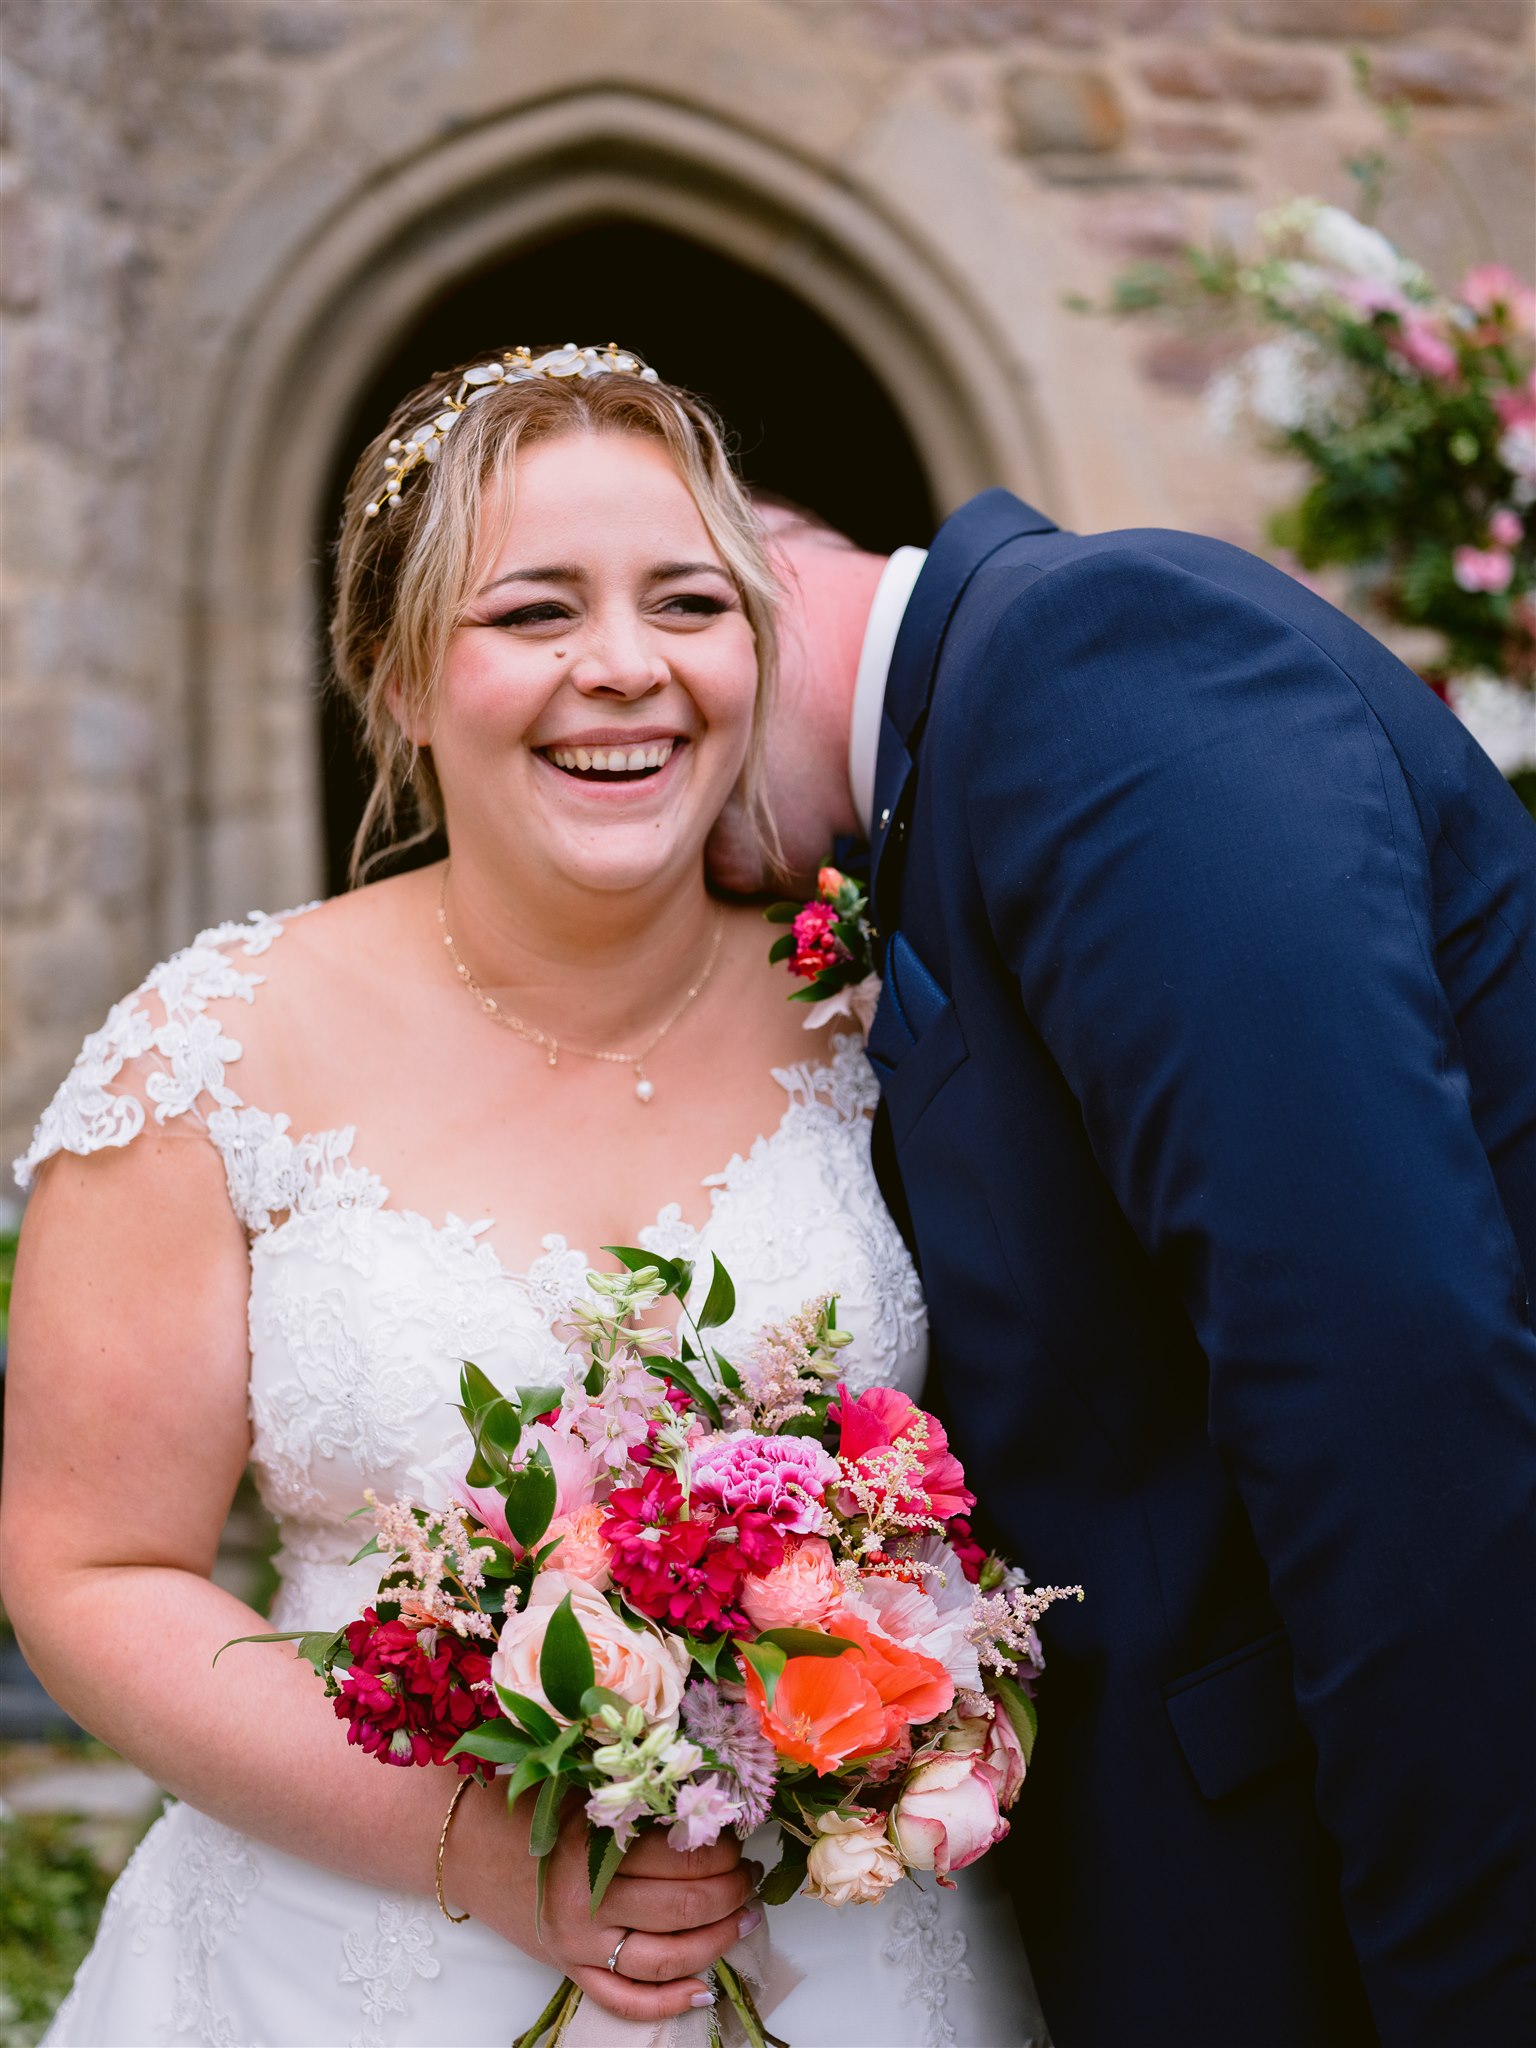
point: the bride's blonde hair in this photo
(404, 571)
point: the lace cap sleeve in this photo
(159, 1054)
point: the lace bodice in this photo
(361, 1312)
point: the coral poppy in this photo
(824, 1710)
(912, 1688)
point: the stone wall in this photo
(167, 167)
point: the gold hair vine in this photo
(517, 366)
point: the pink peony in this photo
(575, 1480)
(1506, 529)
(872, 1420)
(1488, 569)
(946, 1816)
(783, 1477)
(582, 1551)
(799, 1593)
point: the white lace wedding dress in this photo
(360, 1313)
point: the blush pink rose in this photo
(994, 1747)
(1482, 569)
(1506, 529)
(639, 1664)
(799, 1593)
(947, 1816)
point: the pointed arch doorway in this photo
(808, 417)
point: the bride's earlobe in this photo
(414, 723)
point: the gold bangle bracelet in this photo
(442, 1843)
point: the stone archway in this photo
(261, 433)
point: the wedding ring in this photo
(612, 1964)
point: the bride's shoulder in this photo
(227, 1005)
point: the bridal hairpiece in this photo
(517, 366)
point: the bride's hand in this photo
(683, 1911)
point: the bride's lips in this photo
(613, 763)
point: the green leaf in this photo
(369, 1549)
(316, 1647)
(499, 1423)
(782, 949)
(806, 1642)
(707, 1655)
(475, 1390)
(497, 1741)
(783, 913)
(530, 1772)
(729, 1376)
(565, 1661)
(597, 1697)
(768, 1661)
(603, 1858)
(530, 1497)
(501, 1564)
(720, 1302)
(787, 1875)
(634, 1261)
(537, 1401)
(544, 1831)
(673, 1369)
(540, 1723)
(1020, 1709)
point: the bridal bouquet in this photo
(704, 1596)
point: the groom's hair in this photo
(784, 518)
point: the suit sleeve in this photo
(1198, 856)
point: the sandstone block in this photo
(117, 859)
(1144, 224)
(111, 738)
(1431, 76)
(1258, 79)
(311, 30)
(1194, 138)
(1070, 111)
(1347, 20)
(1165, 17)
(207, 29)
(915, 27)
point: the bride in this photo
(319, 1158)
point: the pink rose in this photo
(994, 1747)
(1491, 287)
(582, 1551)
(852, 1862)
(947, 1816)
(1517, 407)
(799, 1593)
(1506, 529)
(1487, 569)
(639, 1664)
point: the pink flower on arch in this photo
(1419, 340)
(1492, 288)
(1482, 569)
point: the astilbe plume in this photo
(1003, 1626)
(431, 1548)
(729, 1730)
(788, 1362)
(410, 1693)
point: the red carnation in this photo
(408, 1704)
(685, 1572)
(815, 947)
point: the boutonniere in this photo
(830, 947)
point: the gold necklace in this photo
(645, 1087)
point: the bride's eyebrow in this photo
(568, 572)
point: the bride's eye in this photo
(696, 604)
(546, 613)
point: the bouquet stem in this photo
(552, 2022)
(554, 2019)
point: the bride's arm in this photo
(126, 1435)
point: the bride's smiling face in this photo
(596, 704)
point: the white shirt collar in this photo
(892, 594)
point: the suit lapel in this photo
(962, 544)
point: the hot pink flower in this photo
(1517, 408)
(815, 948)
(880, 1416)
(407, 1703)
(783, 1477)
(1488, 569)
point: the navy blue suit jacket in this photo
(1208, 1052)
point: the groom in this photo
(1208, 1056)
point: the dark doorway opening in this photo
(807, 416)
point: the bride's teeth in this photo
(581, 758)
(636, 761)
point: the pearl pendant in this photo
(644, 1089)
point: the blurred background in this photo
(909, 248)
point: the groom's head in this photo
(829, 585)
